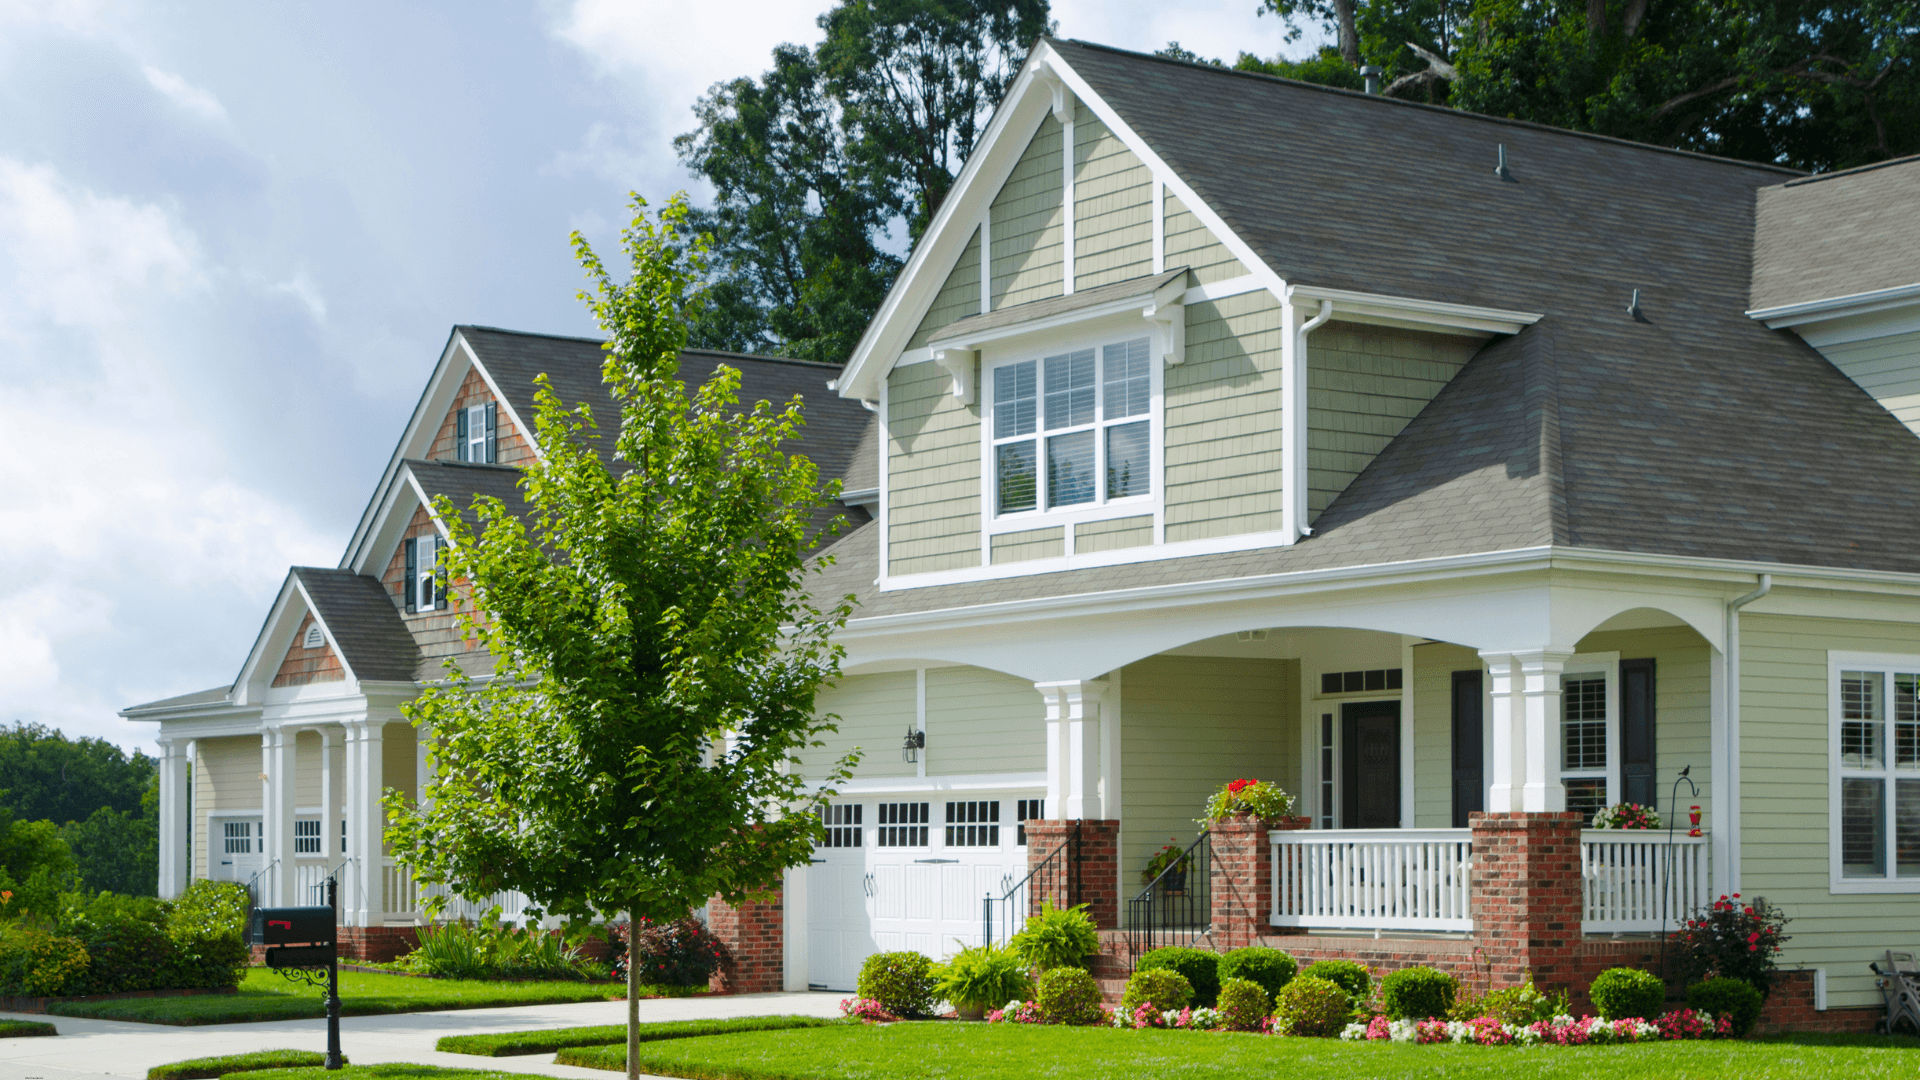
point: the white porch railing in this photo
(1387, 879)
(1624, 876)
(309, 881)
(401, 897)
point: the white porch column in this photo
(277, 825)
(175, 823)
(1540, 672)
(329, 831)
(1073, 748)
(365, 820)
(1509, 737)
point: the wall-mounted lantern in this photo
(916, 741)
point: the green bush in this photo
(126, 941)
(1270, 968)
(35, 962)
(210, 1068)
(1201, 968)
(1057, 937)
(1345, 974)
(550, 1040)
(1516, 1005)
(1733, 998)
(1418, 993)
(207, 925)
(902, 982)
(25, 1029)
(983, 977)
(1068, 995)
(1310, 1005)
(1243, 1004)
(1620, 993)
(1162, 988)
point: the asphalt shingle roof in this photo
(1838, 234)
(361, 617)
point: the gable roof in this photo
(363, 622)
(1837, 234)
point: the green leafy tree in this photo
(46, 776)
(817, 162)
(655, 655)
(116, 851)
(36, 866)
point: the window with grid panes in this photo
(902, 824)
(1072, 429)
(973, 824)
(1027, 810)
(1878, 774)
(1583, 744)
(843, 825)
(306, 836)
(238, 836)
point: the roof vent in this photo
(1500, 169)
(1371, 73)
(315, 638)
(1633, 307)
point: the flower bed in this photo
(1562, 1030)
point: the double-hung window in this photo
(424, 586)
(1072, 429)
(473, 433)
(1589, 733)
(1875, 772)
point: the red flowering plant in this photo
(1733, 939)
(1259, 798)
(1626, 815)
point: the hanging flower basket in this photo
(1626, 815)
(1244, 800)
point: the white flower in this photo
(1354, 1033)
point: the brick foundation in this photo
(377, 943)
(755, 936)
(1097, 882)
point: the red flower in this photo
(1238, 785)
(1754, 936)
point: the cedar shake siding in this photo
(303, 665)
(437, 632)
(510, 444)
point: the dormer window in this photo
(473, 434)
(422, 588)
(1072, 429)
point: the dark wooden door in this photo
(1637, 757)
(1469, 770)
(1370, 759)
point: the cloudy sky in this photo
(233, 237)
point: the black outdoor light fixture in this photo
(916, 741)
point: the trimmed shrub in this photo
(1270, 968)
(1735, 999)
(126, 941)
(1162, 988)
(34, 962)
(678, 953)
(1068, 995)
(1348, 975)
(207, 925)
(1620, 993)
(984, 977)
(902, 982)
(1310, 1005)
(1243, 1004)
(1200, 967)
(211, 1068)
(1057, 937)
(1418, 993)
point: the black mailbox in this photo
(291, 926)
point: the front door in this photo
(1371, 745)
(238, 849)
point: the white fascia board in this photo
(1420, 314)
(275, 627)
(173, 713)
(396, 509)
(1127, 305)
(237, 722)
(434, 401)
(1836, 307)
(520, 423)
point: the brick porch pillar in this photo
(1093, 878)
(1242, 884)
(755, 936)
(1527, 896)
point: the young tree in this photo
(655, 656)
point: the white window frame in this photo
(318, 837)
(476, 434)
(426, 587)
(1096, 334)
(1608, 666)
(1887, 664)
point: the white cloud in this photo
(195, 100)
(302, 288)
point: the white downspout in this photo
(1729, 821)
(1293, 416)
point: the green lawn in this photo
(1019, 1052)
(513, 1043)
(24, 1029)
(390, 1072)
(264, 995)
(212, 1068)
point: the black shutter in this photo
(412, 579)
(492, 439)
(1469, 772)
(439, 574)
(1637, 752)
(460, 434)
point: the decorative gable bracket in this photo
(1168, 314)
(1062, 97)
(960, 363)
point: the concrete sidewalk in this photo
(103, 1048)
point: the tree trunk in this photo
(1636, 11)
(633, 1006)
(1596, 17)
(1349, 34)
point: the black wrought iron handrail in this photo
(1161, 912)
(1058, 877)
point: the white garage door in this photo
(907, 873)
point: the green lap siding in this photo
(1223, 438)
(1433, 668)
(1364, 383)
(1113, 535)
(1886, 367)
(1784, 790)
(957, 299)
(1112, 207)
(1682, 707)
(875, 712)
(1031, 544)
(226, 776)
(933, 473)
(981, 721)
(1189, 725)
(1189, 244)
(1028, 224)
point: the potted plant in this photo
(1626, 815)
(1246, 798)
(1172, 862)
(978, 978)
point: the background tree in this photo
(96, 800)
(835, 160)
(655, 656)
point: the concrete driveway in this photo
(100, 1048)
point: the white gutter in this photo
(1834, 307)
(1293, 415)
(1726, 778)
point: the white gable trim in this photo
(276, 637)
(391, 518)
